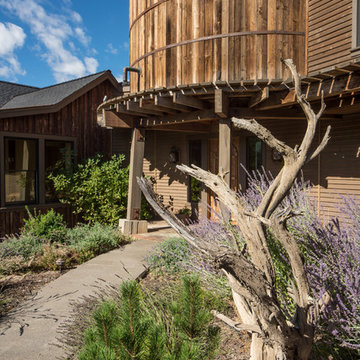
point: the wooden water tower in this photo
(178, 42)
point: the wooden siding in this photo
(12, 218)
(335, 173)
(329, 33)
(77, 120)
(168, 181)
(247, 40)
(121, 139)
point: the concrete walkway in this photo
(30, 332)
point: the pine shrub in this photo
(134, 330)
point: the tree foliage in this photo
(96, 189)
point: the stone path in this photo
(30, 332)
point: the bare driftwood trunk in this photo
(250, 271)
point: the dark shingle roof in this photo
(51, 95)
(9, 90)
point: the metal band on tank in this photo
(146, 11)
(218, 36)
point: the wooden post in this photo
(136, 168)
(225, 148)
(2, 171)
(41, 169)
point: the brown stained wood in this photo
(189, 101)
(134, 107)
(136, 167)
(186, 41)
(330, 35)
(225, 149)
(149, 104)
(261, 96)
(167, 102)
(116, 120)
(221, 103)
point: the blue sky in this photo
(43, 42)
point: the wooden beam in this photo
(185, 128)
(167, 102)
(195, 116)
(331, 87)
(149, 104)
(136, 168)
(221, 103)
(188, 100)
(134, 107)
(117, 120)
(261, 96)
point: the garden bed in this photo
(16, 289)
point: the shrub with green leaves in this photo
(49, 226)
(95, 188)
(170, 255)
(134, 329)
(91, 240)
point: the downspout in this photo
(128, 69)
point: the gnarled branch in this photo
(263, 134)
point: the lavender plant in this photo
(331, 252)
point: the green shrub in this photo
(91, 240)
(133, 329)
(96, 189)
(25, 246)
(170, 254)
(49, 226)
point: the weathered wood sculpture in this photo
(251, 273)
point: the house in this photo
(195, 64)
(37, 127)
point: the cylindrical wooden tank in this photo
(177, 42)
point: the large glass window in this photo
(57, 157)
(20, 170)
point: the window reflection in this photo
(20, 170)
(57, 158)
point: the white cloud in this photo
(110, 49)
(83, 38)
(91, 64)
(57, 36)
(76, 17)
(11, 38)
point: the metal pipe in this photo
(128, 69)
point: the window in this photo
(20, 170)
(25, 162)
(57, 156)
(194, 192)
(254, 154)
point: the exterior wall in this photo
(329, 33)
(78, 121)
(335, 173)
(168, 181)
(178, 42)
(121, 139)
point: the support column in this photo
(132, 224)
(225, 148)
(225, 155)
(136, 167)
